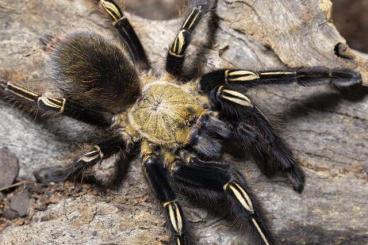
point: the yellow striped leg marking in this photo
(260, 231)
(176, 55)
(112, 9)
(52, 104)
(175, 216)
(178, 241)
(178, 46)
(21, 92)
(91, 156)
(244, 199)
(277, 73)
(191, 19)
(234, 96)
(241, 195)
(240, 76)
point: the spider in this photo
(179, 128)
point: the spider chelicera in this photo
(179, 127)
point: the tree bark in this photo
(326, 130)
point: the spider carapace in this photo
(178, 128)
(165, 113)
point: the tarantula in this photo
(180, 128)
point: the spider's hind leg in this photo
(42, 104)
(254, 131)
(156, 175)
(214, 182)
(308, 76)
(90, 158)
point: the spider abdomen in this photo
(165, 113)
(94, 73)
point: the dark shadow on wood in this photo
(323, 102)
(315, 235)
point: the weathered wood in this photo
(327, 131)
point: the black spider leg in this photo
(63, 106)
(96, 155)
(156, 175)
(254, 131)
(340, 78)
(176, 54)
(127, 33)
(207, 135)
(212, 181)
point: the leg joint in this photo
(92, 156)
(112, 9)
(233, 96)
(53, 104)
(180, 43)
(240, 195)
(175, 216)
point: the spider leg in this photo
(127, 33)
(44, 103)
(340, 78)
(156, 175)
(176, 54)
(90, 158)
(251, 127)
(214, 180)
(207, 133)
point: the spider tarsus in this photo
(53, 174)
(297, 178)
(90, 158)
(340, 78)
(345, 78)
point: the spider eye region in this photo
(164, 114)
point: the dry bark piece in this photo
(9, 168)
(20, 203)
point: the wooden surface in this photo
(327, 131)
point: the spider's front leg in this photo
(156, 175)
(340, 78)
(44, 104)
(250, 125)
(90, 158)
(176, 54)
(252, 129)
(214, 181)
(96, 79)
(127, 33)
